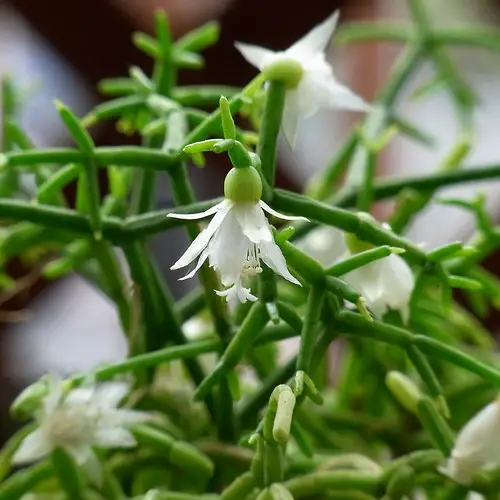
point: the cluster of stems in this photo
(292, 435)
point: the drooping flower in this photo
(237, 238)
(477, 446)
(385, 284)
(309, 78)
(79, 420)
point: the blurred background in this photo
(57, 48)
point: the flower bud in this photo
(243, 185)
(29, 399)
(355, 245)
(404, 390)
(284, 70)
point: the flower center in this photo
(71, 426)
(285, 70)
(243, 185)
(252, 265)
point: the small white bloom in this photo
(78, 420)
(235, 241)
(385, 284)
(477, 447)
(317, 87)
(325, 244)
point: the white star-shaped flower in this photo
(79, 420)
(385, 284)
(235, 241)
(477, 446)
(315, 84)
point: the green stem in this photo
(269, 132)
(184, 194)
(345, 220)
(320, 482)
(151, 359)
(158, 309)
(130, 156)
(25, 480)
(310, 328)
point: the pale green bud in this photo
(243, 185)
(284, 70)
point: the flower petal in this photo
(228, 250)
(273, 212)
(33, 447)
(253, 222)
(343, 97)
(201, 241)
(398, 281)
(256, 56)
(122, 417)
(109, 395)
(80, 396)
(273, 258)
(203, 257)
(316, 40)
(290, 120)
(223, 205)
(115, 437)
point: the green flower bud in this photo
(284, 70)
(29, 400)
(355, 245)
(243, 185)
(404, 390)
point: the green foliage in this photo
(404, 384)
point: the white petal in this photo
(273, 212)
(273, 258)
(109, 395)
(368, 281)
(223, 205)
(343, 97)
(256, 56)
(123, 417)
(326, 244)
(398, 281)
(228, 250)
(80, 396)
(317, 39)
(290, 120)
(201, 261)
(253, 222)
(33, 447)
(201, 241)
(479, 435)
(117, 437)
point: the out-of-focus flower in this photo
(477, 447)
(79, 420)
(311, 84)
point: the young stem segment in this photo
(267, 151)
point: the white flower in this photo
(317, 86)
(78, 420)
(325, 244)
(477, 447)
(235, 241)
(385, 284)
